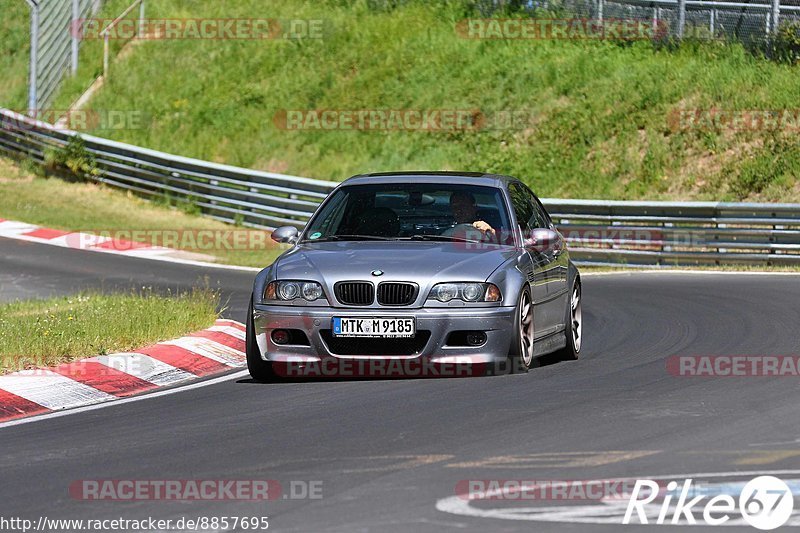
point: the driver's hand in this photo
(484, 227)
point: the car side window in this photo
(523, 210)
(332, 218)
(541, 218)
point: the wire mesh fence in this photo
(752, 23)
(54, 46)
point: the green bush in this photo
(778, 166)
(72, 159)
(786, 46)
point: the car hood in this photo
(424, 263)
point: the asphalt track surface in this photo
(387, 450)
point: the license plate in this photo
(373, 327)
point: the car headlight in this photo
(468, 292)
(291, 290)
(311, 291)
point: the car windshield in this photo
(412, 211)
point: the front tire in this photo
(574, 325)
(259, 369)
(521, 355)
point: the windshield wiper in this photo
(350, 238)
(447, 238)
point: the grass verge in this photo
(40, 333)
(90, 207)
(597, 116)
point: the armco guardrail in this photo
(679, 233)
(224, 192)
(599, 232)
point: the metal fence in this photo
(679, 233)
(599, 232)
(54, 46)
(748, 22)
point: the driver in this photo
(465, 212)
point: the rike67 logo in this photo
(765, 503)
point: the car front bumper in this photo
(433, 326)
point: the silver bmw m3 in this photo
(417, 273)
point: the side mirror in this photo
(285, 234)
(542, 239)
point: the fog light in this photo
(280, 336)
(476, 338)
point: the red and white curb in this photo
(110, 377)
(76, 240)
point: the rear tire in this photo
(259, 369)
(574, 325)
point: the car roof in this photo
(472, 178)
